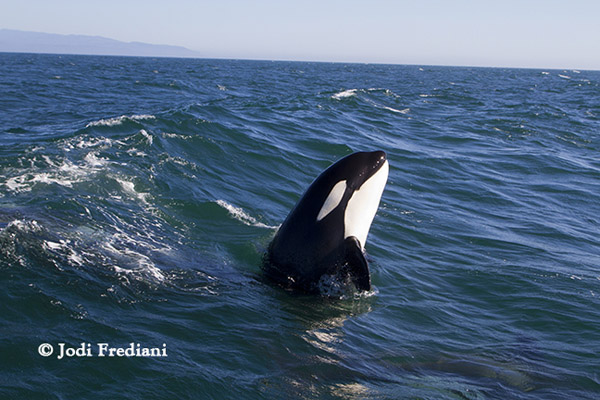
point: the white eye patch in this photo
(333, 200)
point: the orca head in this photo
(356, 184)
(325, 233)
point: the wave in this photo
(66, 248)
(65, 173)
(403, 111)
(119, 120)
(93, 160)
(24, 226)
(128, 254)
(81, 160)
(148, 136)
(354, 92)
(345, 94)
(376, 91)
(242, 216)
(140, 266)
(129, 188)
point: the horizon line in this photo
(197, 54)
(283, 60)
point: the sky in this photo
(502, 33)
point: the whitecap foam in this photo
(386, 92)
(75, 258)
(64, 174)
(404, 111)
(381, 106)
(242, 216)
(64, 247)
(93, 160)
(129, 188)
(168, 135)
(119, 120)
(52, 245)
(49, 161)
(143, 265)
(344, 94)
(25, 226)
(49, 179)
(147, 136)
(103, 143)
(136, 153)
(17, 184)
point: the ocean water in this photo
(138, 195)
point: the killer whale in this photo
(326, 231)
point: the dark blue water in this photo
(137, 197)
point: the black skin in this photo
(358, 268)
(304, 249)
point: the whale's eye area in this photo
(333, 199)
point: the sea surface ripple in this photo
(137, 197)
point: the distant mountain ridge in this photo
(15, 41)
